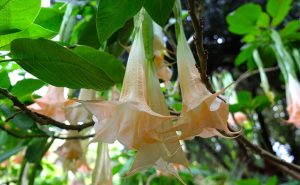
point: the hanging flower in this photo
(162, 70)
(129, 120)
(204, 114)
(164, 155)
(102, 174)
(293, 100)
(52, 104)
(72, 152)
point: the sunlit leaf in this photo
(278, 9)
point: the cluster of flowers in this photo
(139, 117)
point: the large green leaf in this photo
(16, 15)
(241, 21)
(112, 15)
(50, 19)
(159, 10)
(34, 31)
(278, 9)
(112, 67)
(60, 66)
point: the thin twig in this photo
(13, 115)
(42, 119)
(24, 136)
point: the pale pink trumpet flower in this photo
(204, 114)
(129, 120)
(53, 104)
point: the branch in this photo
(42, 119)
(198, 37)
(268, 156)
(24, 136)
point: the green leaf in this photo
(236, 107)
(241, 21)
(88, 35)
(9, 153)
(50, 19)
(248, 182)
(35, 150)
(272, 181)
(244, 97)
(260, 102)
(26, 86)
(34, 31)
(23, 121)
(112, 67)
(4, 79)
(16, 15)
(112, 15)
(159, 10)
(60, 66)
(291, 27)
(148, 36)
(263, 20)
(245, 54)
(278, 9)
(119, 38)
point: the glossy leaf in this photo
(16, 15)
(159, 10)
(61, 67)
(109, 20)
(50, 19)
(278, 9)
(34, 31)
(241, 21)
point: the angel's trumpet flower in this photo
(129, 120)
(72, 152)
(203, 114)
(162, 70)
(102, 174)
(164, 155)
(52, 104)
(293, 100)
